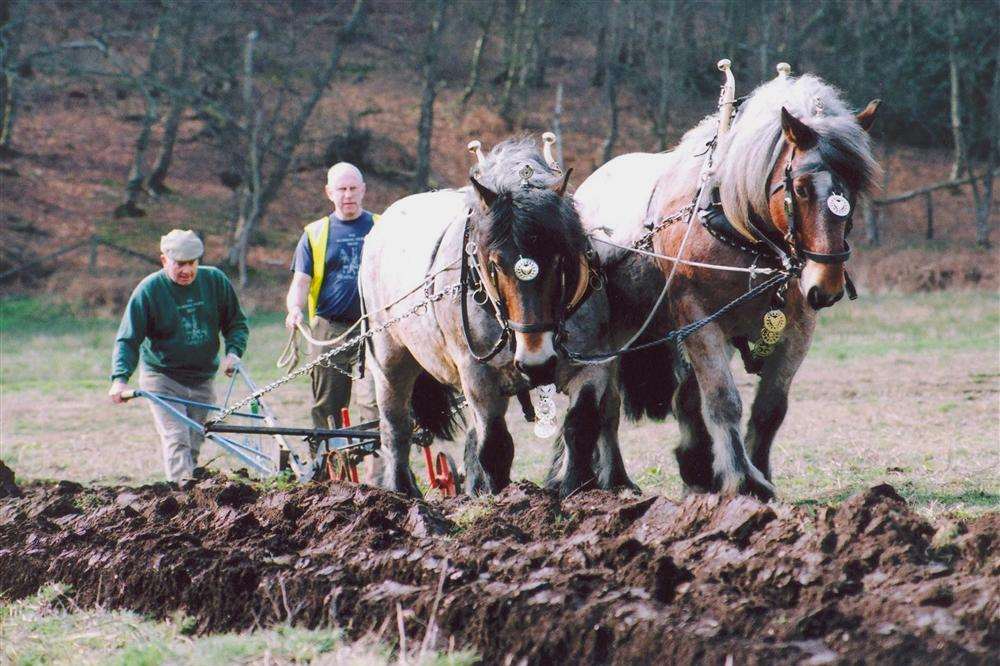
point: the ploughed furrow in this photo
(594, 577)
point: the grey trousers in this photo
(331, 388)
(181, 444)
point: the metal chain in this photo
(325, 358)
(645, 242)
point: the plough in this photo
(338, 451)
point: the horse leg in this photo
(771, 401)
(394, 375)
(489, 448)
(572, 466)
(611, 474)
(694, 452)
(721, 410)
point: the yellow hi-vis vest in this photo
(319, 233)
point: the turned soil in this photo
(594, 578)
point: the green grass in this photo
(47, 629)
(921, 324)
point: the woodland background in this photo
(121, 120)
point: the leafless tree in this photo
(188, 16)
(260, 189)
(425, 127)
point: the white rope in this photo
(686, 262)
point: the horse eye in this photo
(801, 192)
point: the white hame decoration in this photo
(838, 205)
(525, 269)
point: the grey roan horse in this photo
(527, 272)
(791, 170)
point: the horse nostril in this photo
(813, 298)
(519, 366)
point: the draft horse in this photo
(789, 172)
(506, 261)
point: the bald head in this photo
(341, 168)
(345, 186)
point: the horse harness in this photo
(788, 249)
(481, 278)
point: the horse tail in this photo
(647, 382)
(434, 407)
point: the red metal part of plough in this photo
(442, 474)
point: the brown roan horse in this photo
(791, 134)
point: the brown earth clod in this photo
(594, 578)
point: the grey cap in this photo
(182, 245)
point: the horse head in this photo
(530, 249)
(813, 190)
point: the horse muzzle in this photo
(819, 299)
(538, 374)
(535, 356)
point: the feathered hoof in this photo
(751, 483)
(758, 488)
(402, 482)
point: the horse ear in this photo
(867, 117)
(486, 195)
(560, 189)
(797, 132)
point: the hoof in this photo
(618, 483)
(402, 482)
(570, 487)
(752, 486)
(759, 488)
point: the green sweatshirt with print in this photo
(175, 329)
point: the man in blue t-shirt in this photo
(325, 281)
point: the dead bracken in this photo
(594, 578)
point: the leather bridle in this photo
(795, 247)
(480, 274)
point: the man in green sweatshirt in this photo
(171, 329)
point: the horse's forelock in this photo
(538, 222)
(535, 222)
(501, 168)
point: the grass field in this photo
(48, 628)
(902, 389)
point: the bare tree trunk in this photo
(540, 40)
(764, 47)
(984, 200)
(477, 56)
(269, 188)
(873, 212)
(156, 183)
(133, 186)
(425, 127)
(250, 191)
(958, 165)
(661, 115)
(612, 75)
(515, 64)
(12, 18)
(600, 57)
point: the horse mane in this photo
(746, 155)
(539, 222)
